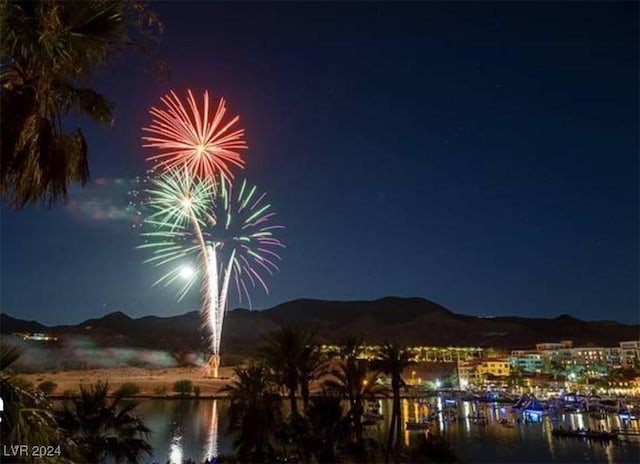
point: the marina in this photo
(479, 432)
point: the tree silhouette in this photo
(286, 353)
(28, 417)
(393, 359)
(255, 414)
(104, 428)
(51, 47)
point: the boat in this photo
(530, 405)
(587, 434)
(410, 425)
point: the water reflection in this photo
(211, 448)
(197, 430)
(175, 450)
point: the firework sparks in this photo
(244, 234)
(195, 139)
(229, 230)
(195, 213)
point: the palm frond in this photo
(86, 101)
(9, 354)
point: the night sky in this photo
(483, 156)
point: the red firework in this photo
(193, 140)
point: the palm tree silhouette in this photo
(312, 365)
(392, 359)
(104, 428)
(352, 378)
(288, 352)
(52, 47)
(255, 414)
(27, 417)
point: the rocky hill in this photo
(413, 321)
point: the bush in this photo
(128, 389)
(183, 387)
(196, 391)
(47, 387)
(160, 390)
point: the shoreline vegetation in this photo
(153, 383)
(287, 404)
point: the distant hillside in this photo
(413, 321)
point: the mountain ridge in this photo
(413, 321)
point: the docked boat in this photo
(586, 434)
(410, 425)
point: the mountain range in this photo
(412, 321)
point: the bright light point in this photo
(200, 149)
(186, 203)
(186, 272)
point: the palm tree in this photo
(351, 378)
(284, 354)
(28, 417)
(392, 359)
(104, 428)
(311, 366)
(255, 414)
(51, 48)
(328, 426)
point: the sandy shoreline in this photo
(158, 382)
(153, 383)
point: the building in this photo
(564, 344)
(497, 367)
(36, 336)
(478, 372)
(527, 361)
(593, 360)
(630, 354)
(468, 373)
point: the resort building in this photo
(482, 371)
(423, 353)
(630, 354)
(589, 358)
(527, 361)
(496, 367)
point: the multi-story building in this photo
(476, 372)
(468, 373)
(589, 358)
(630, 354)
(564, 344)
(498, 367)
(527, 361)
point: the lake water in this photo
(183, 429)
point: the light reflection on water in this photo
(211, 449)
(183, 429)
(175, 450)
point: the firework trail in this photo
(195, 212)
(243, 240)
(229, 230)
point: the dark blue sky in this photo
(483, 155)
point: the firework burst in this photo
(195, 139)
(244, 235)
(231, 232)
(195, 214)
